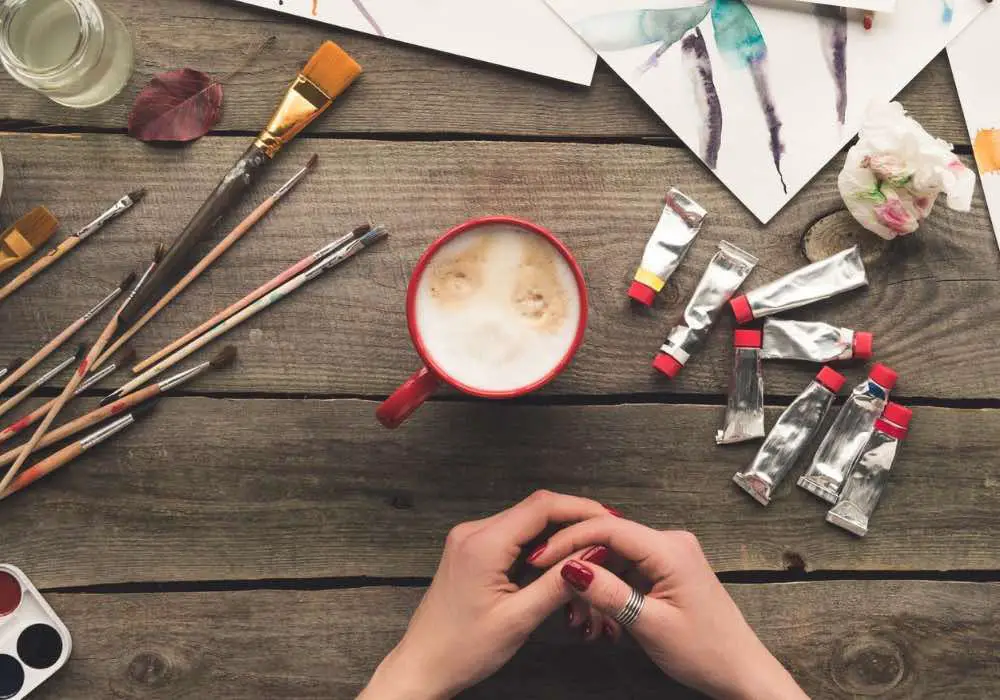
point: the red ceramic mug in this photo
(571, 288)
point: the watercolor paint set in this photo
(34, 643)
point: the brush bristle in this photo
(137, 195)
(361, 231)
(160, 251)
(37, 226)
(143, 409)
(331, 69)
(127, 281)
(374, 236)
(311, 163)
(224, 358)
(81, 351)
(127, 357)
(15, 363)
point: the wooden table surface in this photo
(260, 536)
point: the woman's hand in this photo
(689, 626)
(474, 618)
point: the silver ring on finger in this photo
(629, 613)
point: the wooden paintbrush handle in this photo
(36, 359)
(43, 468)
(38, 267)
(226, 194)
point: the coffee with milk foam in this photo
(498, 308)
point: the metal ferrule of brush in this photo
(334, 245)
(95, 377)
(103, 303)
(292, 182)
(181, 377)
(54, 371)
(346, 252)
(99, 436)
(303, 102)
(141, 281)
(117, 208)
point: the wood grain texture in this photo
(907, 639)
(211, 489)
(404, 89)
(933, 302)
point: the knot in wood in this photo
(868, 666)
(838, 231)
(149, 668)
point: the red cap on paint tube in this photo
(890, 429)
(667, 364)
(741, 309)
(747, 338)
(641, 293)
(883, 376)
(898, 414)
(863, 345)
(831, 379)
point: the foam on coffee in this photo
(497, 307)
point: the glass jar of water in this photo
(73, 51)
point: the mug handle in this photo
(407, 398)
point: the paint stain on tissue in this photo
(986, 147)
(741, 42)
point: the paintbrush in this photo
(65, 334)
(128, 356)
(27, 391)
(71, 452)
(60, 251)
(326, 75)
(65, 396)
(13, 365)
(221, 361)
(27, 235)
(225, 244)
(337, 257)
(299, 267)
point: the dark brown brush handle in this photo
(226, 195)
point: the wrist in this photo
(396, 678)
(769, 680)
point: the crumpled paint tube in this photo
(790, 436)
(867, 480)
(674, 233)
(726, 271)
(847, 436)
(745, 408)
(837, 274)
(813, 342)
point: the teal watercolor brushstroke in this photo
(737, 34)
(627, 29)
(947, 11)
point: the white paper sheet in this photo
(975, 61)
(521, 34)
(797, 77)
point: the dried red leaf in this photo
(177, 105)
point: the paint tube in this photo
(790, 436)
(847, 436)
(675, 231)
(745, 407)
(837, 274)
(868, 478)
(726, 271)
(813, 342)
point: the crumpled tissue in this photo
(896, 171)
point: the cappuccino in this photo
(498, 308)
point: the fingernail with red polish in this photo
(537, 552)
(598, 554)
(614, 511)
(577, 575)
(608, 630)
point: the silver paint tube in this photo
(868, 478)
(745, 408)
(837, 274)
(790, 436)
(674, 233)
(813, 342)
(726, 271)
(847, 436)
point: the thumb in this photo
(549, 592)
(596, 585)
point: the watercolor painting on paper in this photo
(975, 61)
(873, 5)
(521, 34)
(764, 93)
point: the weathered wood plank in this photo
(881, 639)
(211, 489)
(934, 301)
(405, 89)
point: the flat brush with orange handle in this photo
(220, 361)
(71, 452)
